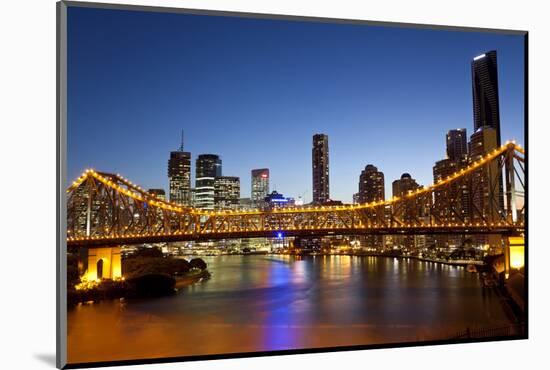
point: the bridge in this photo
(106, 210)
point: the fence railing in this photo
(501, 331)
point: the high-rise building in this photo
(227, 192)
(371, 189)
(403, 185)
(159, 193)
(452, 201)
(485, 92)
(371, 185)
(320, 166)
(457, 144)
(208, 167)
(487, 189)
(487, 197)
(260, 186)
(400, 188)
(179, 176)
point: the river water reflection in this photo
(261, 303)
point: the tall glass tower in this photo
(208, 167)
(260, 186)
(485, 92)
(319, 156)
(179, 176)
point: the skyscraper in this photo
(487, 188)
(485, 92)
(487, 195)
(457, 144)
(260, 186)
(208, 167)
(371, 189)
(371, 185)
(452, 203)
(403, 185)
(400, 188)
(179, 176)
(457, 159)
(320, 168)
(227, 192)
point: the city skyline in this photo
(289, 160)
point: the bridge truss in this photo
(484, 197)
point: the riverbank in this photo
(400, 256)
(192, 278)
(138, 287)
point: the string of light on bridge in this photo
(476, 226)
(139, 194)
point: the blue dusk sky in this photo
(255, 91)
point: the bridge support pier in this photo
(514, 254)
(102, 263)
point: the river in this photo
(262, 303)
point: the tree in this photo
(197, 263)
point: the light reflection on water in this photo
(259, 303)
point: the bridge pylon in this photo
(101, 262)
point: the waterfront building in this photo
(485, 92)
(371, 185)
(443, 196)
(260, 186)
(401, 187)
(457, 191)
(487, 194)
(227, 192)
(371, 189)
(208, 167)
(320, 168)
(179, 176)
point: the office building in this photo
(227, 192)
(371, 185)
(485, 92)
(401, 187)
(320, 167)
(371, 189)
(179, 176)
(260, 186)
(457, 144)
(487, 195)
(487, 190)
(208, 167)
